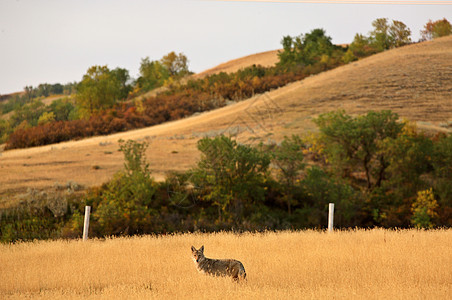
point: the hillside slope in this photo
(265, 59)
(414, 81)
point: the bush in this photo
(424, 209)
(319, 189)
(39, 215)
(436, 29)
(234, 176)
(126, 206)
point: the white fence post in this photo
(330, 217)
(86, 223)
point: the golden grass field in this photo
(413, 81)
(357, 264)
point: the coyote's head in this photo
(197, 254)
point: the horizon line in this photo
(373, 2)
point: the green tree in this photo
(56, 89)
(436, 29)
(98, 90)
(424, 209)
(126, 205)
(29, 92)
(5, 130)
(176, 64)
(135, 163)
(442, 169)
(29, 113)
(70, 88)
(62, 109)
(123, 78)
(399, 34)
(380, 35)
(288, 157)
(320, 189)
(43, 89)
(349, 56)
(153, 74)
(287, 56)
(361, 46)
(315, 44)
(46, 117)
(354, 144)
(409, 156)
(387, 36)
(306, 49)
(46, 89)
(409, 164)
(233, 174)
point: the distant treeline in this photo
(18, 100)
(378, 170)
(103, 105)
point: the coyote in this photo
(218, 267)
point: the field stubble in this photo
(358, 264)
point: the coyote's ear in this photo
(193, 249)
(202, 248)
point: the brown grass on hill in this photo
(360, 264)
(6, 116)
(6, 97)
(48, 100)
(413, 81)
(265, 59)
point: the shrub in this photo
(424, 209)
(39, 215)
(288, 158)
(436, 29)
(233, 174)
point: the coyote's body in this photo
(218, 267)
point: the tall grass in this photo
(359, 264)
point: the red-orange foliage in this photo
(181, 101)
(436, 29)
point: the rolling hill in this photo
(265, 59)
(414, 81)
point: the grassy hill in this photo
(413, 81)
(265, 59)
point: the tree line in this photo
(103, 101)
(378, 170)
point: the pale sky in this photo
(56, 41)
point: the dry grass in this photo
(373, 264)
(265, 59)
(48, 100)
(413, 81)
